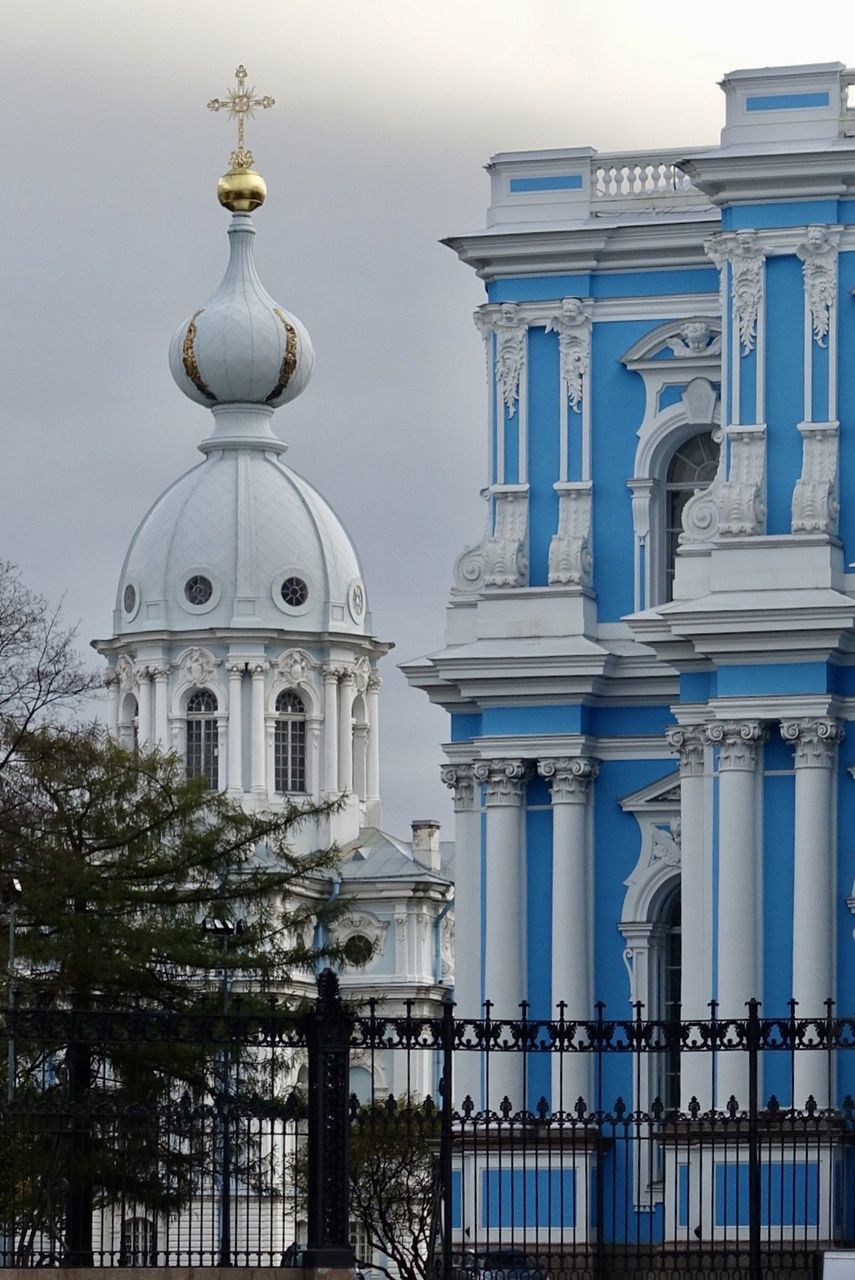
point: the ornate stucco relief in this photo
(573, 326)
(818, 255)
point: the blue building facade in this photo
(649, 655)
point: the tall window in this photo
(202, 747)
(671, 963)
(289, 743)
(693, 467)
(138, 1244)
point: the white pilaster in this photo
(330, 779)
(160, 675)
(144, 705)
(504, 955)
(257, 735)
(688, 741)
(572, 968)
(739, 879)
(467, 920)
(345, 730)
(235, 741)
(815, 752)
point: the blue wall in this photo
(543, 449)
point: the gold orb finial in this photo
(241, 189)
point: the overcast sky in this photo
(385, 112)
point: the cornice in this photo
(660, 240)
(130, 641)
(727, 178)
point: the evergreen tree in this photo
(122, 860)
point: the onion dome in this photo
(241, 347)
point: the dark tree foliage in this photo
(121, 858)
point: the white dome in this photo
(241, 347)
(241, 541)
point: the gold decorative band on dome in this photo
(289, 360)
(188, 355)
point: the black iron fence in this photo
(441, 1148)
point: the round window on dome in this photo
(129, 599)
(198, 589)
(294, 592)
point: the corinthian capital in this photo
(687, 742)
(504, 779)
(814, 740)
(569, 777)
(461, 779)
(738, 742)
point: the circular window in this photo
(129, 599)
(294, 592)
(198, 589)
(358, 950)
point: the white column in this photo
(257, 738)
(372, 699)
(111, 681)
(160, 674)
(504, 955)
(815, 742)
(235, 743)
(345, 731)
(695, 965)
(330, 778)
(144, 725)
(739, 877)
(313, 757)
(572, 968)
(360, 747)
(467, 920)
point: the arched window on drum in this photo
(202, 737)
(289, 743)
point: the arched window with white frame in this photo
(202, 737)
(289, 743)
(691, 469)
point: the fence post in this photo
(754, 1200)
(328, 1039)
(445, 1149)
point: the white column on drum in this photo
(235, 741)
(144, 707)
(345, 730)
(111, 681)
(257, 735)
(330, 779)
(160, 675)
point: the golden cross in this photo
(240, 103)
